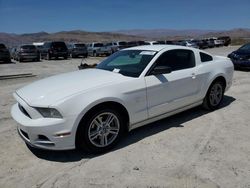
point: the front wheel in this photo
(214, 96)
(100, 131)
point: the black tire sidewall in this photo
(82, 140)
(207, 100)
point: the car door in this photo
(168, 92)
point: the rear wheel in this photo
(214, 96)
(100, 131)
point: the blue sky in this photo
(27, 16)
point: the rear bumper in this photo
(59, 54)
(29, 56)
(76, 53)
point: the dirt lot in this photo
(193, 149)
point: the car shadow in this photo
(131, 137)
(10, 62)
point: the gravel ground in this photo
(193, 149)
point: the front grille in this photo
(23, 110)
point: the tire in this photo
(65, 57)
(214, 96)
(98, 143)
(94, 54)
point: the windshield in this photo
(98, 45)
(122, 43)
(128, 62)
(246, 47)
(59, 45)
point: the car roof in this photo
(159, 47)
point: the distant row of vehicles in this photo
(59, 49)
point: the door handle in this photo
(193, 75)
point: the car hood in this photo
(48, 91)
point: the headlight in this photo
(49, 112)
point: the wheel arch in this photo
(93, 107)
(219, 77)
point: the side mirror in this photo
(161, 70)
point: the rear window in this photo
(28, 47)
(98, 45)
(80, 45)
(59, 45)
(2, 46)
(205, 57)
(122, 43)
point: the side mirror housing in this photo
(161, 70)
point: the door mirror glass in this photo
(161, 70)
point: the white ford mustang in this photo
(92, 108)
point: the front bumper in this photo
(241, 63)
(44, 132)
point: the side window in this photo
(205, 57)
(177, 59)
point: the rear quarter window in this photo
(205, 57)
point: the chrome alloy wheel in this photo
(215, 95)
(104, 129)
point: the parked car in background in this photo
(226, 40)
(132, 44)
(78, 49)
(189, 44)
(170, 42)
(121, 45)
(4, 54)
(54, 49)
(105, 50)
(151, 42)
(161, 42)
(202, 44)
(94, 48)
(136, 43)
(91, 109)
(116, 46)
(210, 43)
(27, 52)
(218, 42)
(113, 46)
(241, 57)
